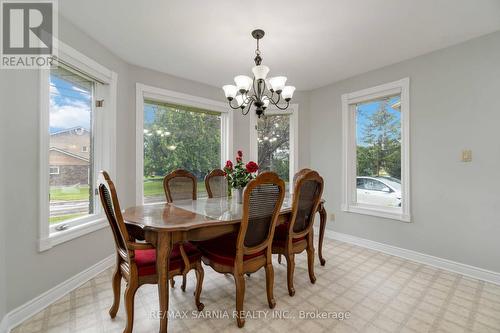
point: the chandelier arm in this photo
(282, 108)
(243, 112)
(233, 107)
(275, 102)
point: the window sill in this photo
(59, 237)
(393, 214)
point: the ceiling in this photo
(313, 42)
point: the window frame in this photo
(349, 159)
(293, 111)
(55, 172)
(104, 151)
(143, 92)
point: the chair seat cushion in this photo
(146, 259)
(281, 234)
(222, 250)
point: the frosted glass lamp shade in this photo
(287, 92)
(260, 72)
(277, 83)
(243, 82)
(240, 100)
(230, 91)
(265, 100)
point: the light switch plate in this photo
(466, 155)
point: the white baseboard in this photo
(449, 265)
(25, 311)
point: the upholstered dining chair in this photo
(216, 184)
(180, 184)
(249, 249)
(296, 235)
(136, 261)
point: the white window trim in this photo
(106, 151)
(144, 91)
(293, 111)
(349, 203)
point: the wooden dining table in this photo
(166, 224)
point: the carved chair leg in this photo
(172, 282)
(116, 283)
(310, 260)
(290, 267)
(200, 273)
(279, 258)
(129, 305)
(183, 286)
(240, 296)
(270, 285)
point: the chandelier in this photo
(259, 90)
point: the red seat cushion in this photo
(222, 250)
(281, 234)
(146, 259)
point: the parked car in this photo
(380, 191)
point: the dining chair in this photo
(249, 249)
(302, 171)
(136, 261)
(180, 184)
(216, 184)
(296, 235)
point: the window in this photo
(274, 145)
(178, 131)
(71, 123)
(376, 151)
(76, 141)
(54, 170)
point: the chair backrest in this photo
(179, 185)
(262, 201)
(300, 172)
(109, 201)
(216, 184)
(308, 189)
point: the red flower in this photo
(240, 154)
(238, 159)
(252, 167)
(229, 165)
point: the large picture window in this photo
(178, 137)
(376, 147)
(178, 131)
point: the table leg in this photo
(163, 249)
(322, 225)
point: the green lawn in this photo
(153, 187)
(69, 193)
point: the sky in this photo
(70, 106)
(365, 110)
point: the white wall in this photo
(454, 106)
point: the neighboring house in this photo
(69, 156)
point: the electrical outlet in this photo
(466, 155)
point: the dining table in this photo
(165, 224)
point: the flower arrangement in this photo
(239, 174)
